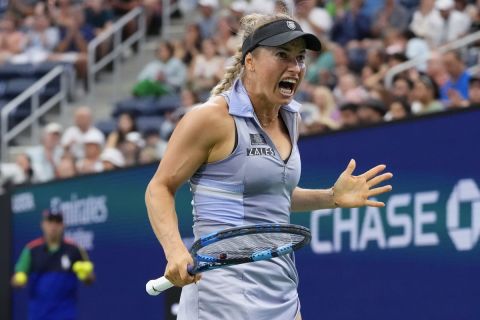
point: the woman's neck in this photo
(267, 112)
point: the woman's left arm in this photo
(349, 191)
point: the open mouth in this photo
(287, 86)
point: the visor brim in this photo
(311, 41)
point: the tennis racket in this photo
(239, 245)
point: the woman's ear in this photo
(249, 63)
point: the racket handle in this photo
(157, 286)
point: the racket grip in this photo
(157, 286)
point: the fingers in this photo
(351, 167)
(372, 203)
(374, 171)
(378, 179)
(177, 273)
(379, 190)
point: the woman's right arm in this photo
(199, 135)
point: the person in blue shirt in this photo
(52, 266)
(457, 84)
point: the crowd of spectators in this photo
(344, 85)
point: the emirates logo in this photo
(291, 25)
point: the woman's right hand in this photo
(176, 270)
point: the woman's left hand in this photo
(352, 191)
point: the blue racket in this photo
(239, 245)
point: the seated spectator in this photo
(207, 68)
(436, 69)
(75, 35)
(348, 89)
(311, 18)
(148, 155)
(73, 138)
(422, 16)
(456, 86)
(391, 16)
(474, 91)
(93, 143)
(166, 71)
(320, 115)
(45, 157)
(112, 159)
(12, 41)
(155, 142)
(371, 111)
(125, 125)
(401, 87)
(98, 15)
(42, 39)
(24, 162)
(207, 19)
(351, 26)
(66, 168)
(348, 115)
(398, 109)
(131, 148)
(187, 49)
(425, 96)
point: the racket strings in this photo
(244, 246)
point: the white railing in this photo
(36, 109)
(454, 45)
(118, 47)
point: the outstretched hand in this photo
(352, 191)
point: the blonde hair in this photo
(248, 25)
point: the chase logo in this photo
(465, 191)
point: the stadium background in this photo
(414, 282)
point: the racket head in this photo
(247, 243)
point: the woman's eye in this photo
(282, 55)
(301, 58)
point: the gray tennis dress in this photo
(252, 185)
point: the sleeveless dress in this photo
(253, 185)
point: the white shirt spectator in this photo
(318, 17)
(74, 138)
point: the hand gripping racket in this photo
(239, 245)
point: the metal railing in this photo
(36, 109)
(114, 34)
(454, 45)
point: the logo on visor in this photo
(291, 25)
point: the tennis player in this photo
(239, 152)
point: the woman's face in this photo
(277, 72)
(125, 123)
(208, 48)
(163, 52)
(397, 111)
(421, 92)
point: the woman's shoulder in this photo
(213, 110)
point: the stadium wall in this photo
(417, 258)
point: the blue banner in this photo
(417, 258)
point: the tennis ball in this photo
(88, 267)
(82, 275)
(77, 266)
(21, 278)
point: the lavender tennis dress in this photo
(252, 185)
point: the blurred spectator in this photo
(155, 142)
(122, 7)
(188, 49)
(474, 91)
(45, 157)
(125, 124)
(425, 96)
(311, 18)
(112, 159)
(456, 86)
(352, 25)
(166, 70)
(24, 162)
(132, 147)
(398, 109)
(208, 19)
(188, 100)
(348, 89)
(391, 15)
(75, 35)
(348, 115)
(421, 21)
(225, 39)
(98, 15)
(320, 115)
(66, 168)
(148, 155)
(401, 86)
(371, 111)
(320, 71)
(12, 41)
(436, 70)
(416, 47)
(42, 39)
(72, 139)
(207, 68)
(93, 144)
